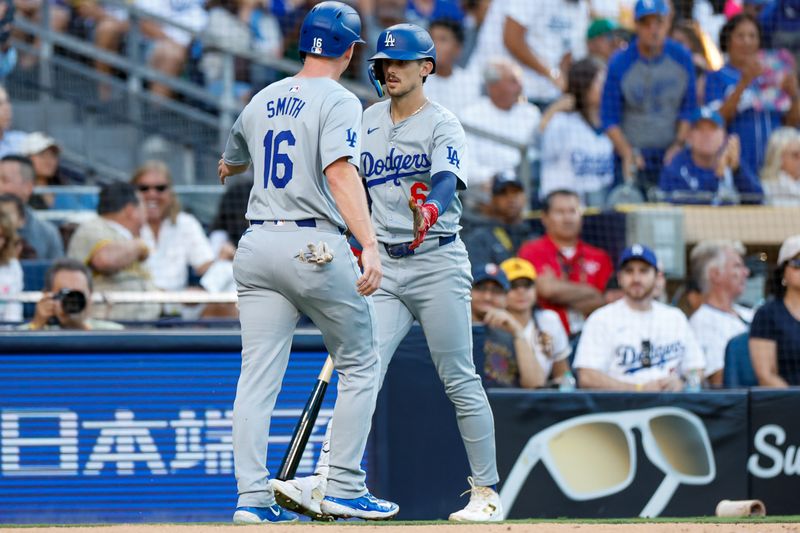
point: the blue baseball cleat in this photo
(367, 507)
(259, 515)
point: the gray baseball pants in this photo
(273, 288)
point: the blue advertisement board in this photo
(127, 436)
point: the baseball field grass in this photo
(769, 524)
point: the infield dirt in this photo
(678, 527)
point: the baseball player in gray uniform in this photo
(302, 135)
(412, 161)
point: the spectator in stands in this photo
(44, 154)
(543, 331)
(575, 153)
(571, 274)
(756, 91)
(32, 10)
(709, 170)
(111, 246)
(422, 12)
(499, 236)
(602, 40)
(16, 177)
(229, 223)
(60, 307)
(754, 8)
(10, 270)
(649, 96)
(474, 14)
(721, 273)
(106, 25)
(454, 87)
(705, 56)
(502, 112)
(176, 239)
(169, 45)
(780, 176)
(504, 344)
(13, 207)
(637, 343)
(544, 37)
(780, 23)
(10, 140)
(244, 26)
(8, 54)
(775, 332)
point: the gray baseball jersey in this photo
(291, 131)
(289, 161)
(398, 160)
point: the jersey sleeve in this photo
(200, 251)
(450, 150)
(694, 358)
(340, 132)
(592, 351)
(518, 10)
(552, 325)
(711, 342)
(236, 151)
(611, 101)
(715, 89)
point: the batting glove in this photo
(425, 216)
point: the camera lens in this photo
(73, 302)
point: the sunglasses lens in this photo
(591, 458)
(681, 444)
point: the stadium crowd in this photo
(607, 102)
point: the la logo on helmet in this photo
(389, 41)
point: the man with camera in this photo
(67, 300)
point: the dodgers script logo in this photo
(395, 166)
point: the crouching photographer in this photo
(67, 300)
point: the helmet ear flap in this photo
(375, 72)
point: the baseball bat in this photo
(306, 423)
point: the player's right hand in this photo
(372, 274)
(46, 308)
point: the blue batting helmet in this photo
(405, 42)
(329, 29)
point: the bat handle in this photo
(327, 370)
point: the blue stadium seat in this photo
(738, 370)
(33, 271)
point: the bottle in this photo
(568, 382)
(693, 381)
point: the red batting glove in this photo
(425, 216)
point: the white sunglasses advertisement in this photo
(629, 462)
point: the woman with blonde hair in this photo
(175, 238)
(780, 176)
(10, 270)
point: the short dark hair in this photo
(69, 265)
(16, 200)
(449, 24)
(25, 165)
(731, 25)
(115, 196)
(548, 200)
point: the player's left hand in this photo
(425, 216)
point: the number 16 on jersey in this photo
(274, 157)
